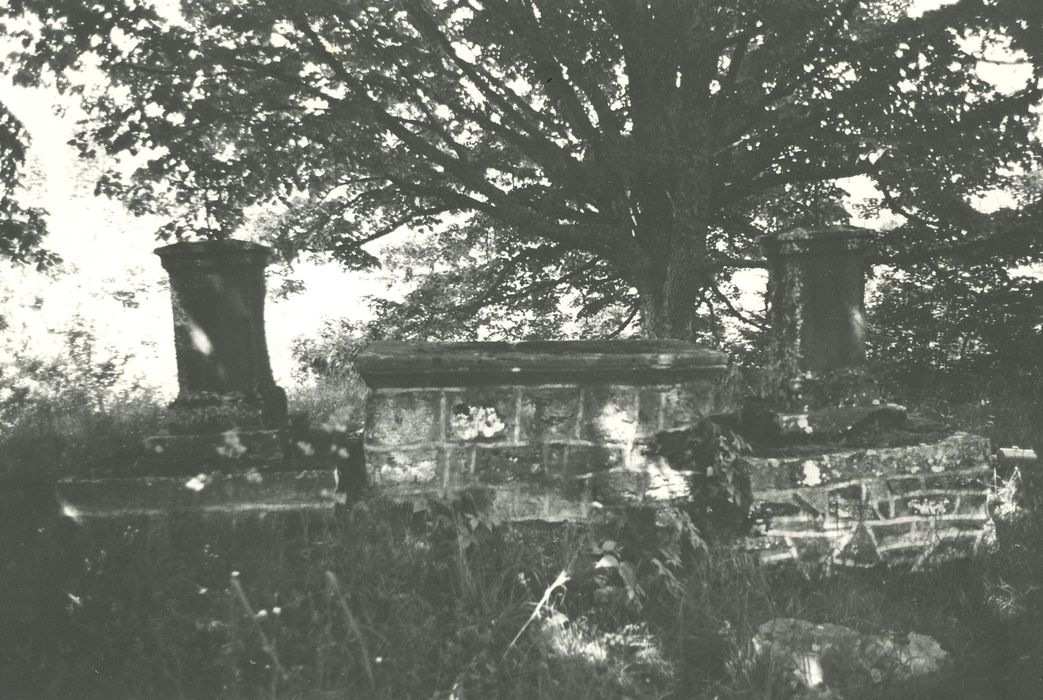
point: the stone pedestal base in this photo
(234, 450)
(205, 412)
(768, 424)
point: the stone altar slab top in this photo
(399, 364)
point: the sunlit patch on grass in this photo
(1008, 601)
(564, 639)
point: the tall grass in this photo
(1006, 407)
(45, 441)
(375, 602)
(335, 402)
(71, 435)
(386, 601)
(431, 600)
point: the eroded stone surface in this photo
(913, 505)
(481, 415)
(550, 414)
(610, 414)
(403, 418)
(408, 470)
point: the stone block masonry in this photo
(910, 505)
(548, 427)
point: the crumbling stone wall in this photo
(548, 427)
(551, 428)
(860, 507)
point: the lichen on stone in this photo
(476, 422)
(810, 474)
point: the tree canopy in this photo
(626, 154)
(21, 228)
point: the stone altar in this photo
(548, 427)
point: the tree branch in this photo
(354, 244)
(735, 312)
(626, 322)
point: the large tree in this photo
(630, 151)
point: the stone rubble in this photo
(832, 661)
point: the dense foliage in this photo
(21, 228)
(613, 156)
(975, 319)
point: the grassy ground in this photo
(410, 602)
(427, 601)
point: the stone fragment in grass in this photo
(826, 657)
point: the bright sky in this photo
(107, 250)
(111, 250)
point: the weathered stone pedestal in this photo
(229, 411)
(227, 443)
(817, 299)
(548, 428)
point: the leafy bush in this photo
(721, 494)
(941, 320)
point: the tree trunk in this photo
(669, 293)
(671, 166)
(673, 233)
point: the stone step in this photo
(868, 543)
(234, 449)
(205, 492)
(835, 422)
(957, 452)
(861, 508)
(1016, 456)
